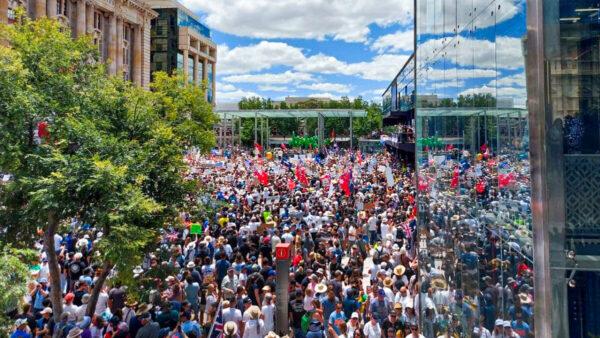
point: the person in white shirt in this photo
(102, 303)
(268, 311)
(80, 313)
(372, 329)
(231, 314)
(70, 308)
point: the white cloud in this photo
(381, 68)
(517, 80)
(325, 95)
(326, 86)
(263, 55)
(399, 41)
(314, 19)
(233, 96)
(271, 78)
(226, 87)
(436, 74)
(445, 17)
(274, 88)
(505, 52)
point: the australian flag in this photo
(216, 331)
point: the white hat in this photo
(46, 310)
(507, 323)
(499, 322)
(354, 315)
(191, 265)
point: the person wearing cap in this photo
(75, 269)
(498, 331)
(508, 331)
(45, 325)
(69, 307)
(21, 329)
(353, 324)
(393, 320)
(380, 307)
(230, 281)
(268, 312)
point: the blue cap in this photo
(381, 292)
(272, 273)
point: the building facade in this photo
(180, 42)
(120, 29)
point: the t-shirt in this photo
(297, 311)
(20, 334)
(191, 293)
(232, 315)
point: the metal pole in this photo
(239, 131)
(262, 132)
(255, 128)
(321, 126)
(268, 134)
(351, 132)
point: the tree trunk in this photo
(55, 289)
(91, 305)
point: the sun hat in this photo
(399, 270)
(354, 315)
(320, 288)
(191, 265)
(75, 332)
(506, 323)
(143, 309)
(388, 282)
(230, 328)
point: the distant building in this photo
(120, 29)
(181, 42)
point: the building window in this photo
(98, 33)
(62, 7)
(126, 51)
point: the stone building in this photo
(120, 29)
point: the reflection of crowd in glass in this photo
(476, 244)
(354, 271)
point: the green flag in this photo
(266, 215)
(196, 229)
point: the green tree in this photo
(114, 154)
(14, 274)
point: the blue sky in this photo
(321, 48)
(333, 48)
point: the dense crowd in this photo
(351, 220)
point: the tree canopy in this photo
(80, 144)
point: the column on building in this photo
(196, 77)
(119, 46)
(185, 65)
(205, 71)
(112, 44)
(137, 55)
(81, 15)
(214, 82)
(50, 8)
(40, 8)
(3, 11)
(89, 18)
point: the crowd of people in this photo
(360, 265)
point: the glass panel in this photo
(470, 98)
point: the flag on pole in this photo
(454, 182)
(216, 330)
(291, 184)
(258, 147)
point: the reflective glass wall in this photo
(472, 153)
(563, 71)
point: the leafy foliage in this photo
(14, 274)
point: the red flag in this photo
(449, 147)
(263, 177)
(423, 185)
(258, 147)
(43, 132)
(480, 186)
(345, 183)
(301, 175)
(283, 146)
(291, 184)
(454, 182)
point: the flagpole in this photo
(214, 322)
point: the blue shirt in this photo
(20, 334)
(190, 326)
(335, 316)
(328, 307)
(222, 266)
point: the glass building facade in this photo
(507, 121)
(475, 242)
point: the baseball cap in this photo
(507, 323)
(69, 297)
(499, 322)
(381, 292)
